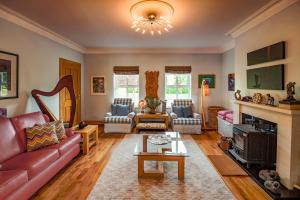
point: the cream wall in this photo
(227, 68)
(97, 106)
(284, 26)
(38, 66)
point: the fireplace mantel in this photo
(288, 137)
(269, 108)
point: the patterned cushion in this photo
(41, 136)
(186, 121)
(118, 120)
(59, 129)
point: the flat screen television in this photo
(266, 78)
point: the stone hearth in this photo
(288, 137)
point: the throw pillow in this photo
(41, 136)
(59, 129)
(114, 109)
(178, 111)
(123, 110)
(119, 110)
(187, 111)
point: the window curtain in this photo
(178, 69)
(126, 70)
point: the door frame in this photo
(61, 67)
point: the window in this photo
(177, 86)
(127, 86)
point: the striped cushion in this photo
(41, 136)
(118, 120)
(186, 121)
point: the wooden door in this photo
(67, 67)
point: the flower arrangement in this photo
(152, 103)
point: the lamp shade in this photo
(205, 88)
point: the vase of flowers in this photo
(152, 104)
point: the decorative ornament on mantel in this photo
(152, 16)
(290, 102)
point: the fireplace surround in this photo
(288, 137)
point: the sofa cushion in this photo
(9, 145)
(186, 121)
(25, 121)
(178, 111)
(11, 180)
(187, 111)
(119, 110)
(59, 129)
(118, 120)
(34, 162)
(41, 136)
(66, 144)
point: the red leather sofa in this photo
(23, 173)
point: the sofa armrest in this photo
(69, 132)
(196, 116)
(108, 114)
(173, 115)
(131, 115)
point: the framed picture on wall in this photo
(9, 75)
(231, 82)
(98, 85)
(209, 78)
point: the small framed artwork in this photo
(209, 78)
(98, 85)
(231, 82)
(9, 75)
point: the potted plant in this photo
(152, 104)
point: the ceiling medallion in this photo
(152, 16)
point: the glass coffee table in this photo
(149, 148)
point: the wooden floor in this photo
(78, 178)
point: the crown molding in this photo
(18, 19)
(216, 50)
(261, 15)
(228, 46)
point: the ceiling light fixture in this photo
(151, 16)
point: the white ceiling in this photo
(106, 23)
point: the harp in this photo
(64, 82)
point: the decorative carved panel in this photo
(152, 84)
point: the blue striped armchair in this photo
(185, 125)
(120, 124)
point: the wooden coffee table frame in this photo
(164, 117)
(159, 173)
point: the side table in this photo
(89, 136)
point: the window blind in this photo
(126, 70)
(178, 69)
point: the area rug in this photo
(226, 166)
(119, 178)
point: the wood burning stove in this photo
(255, 142)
